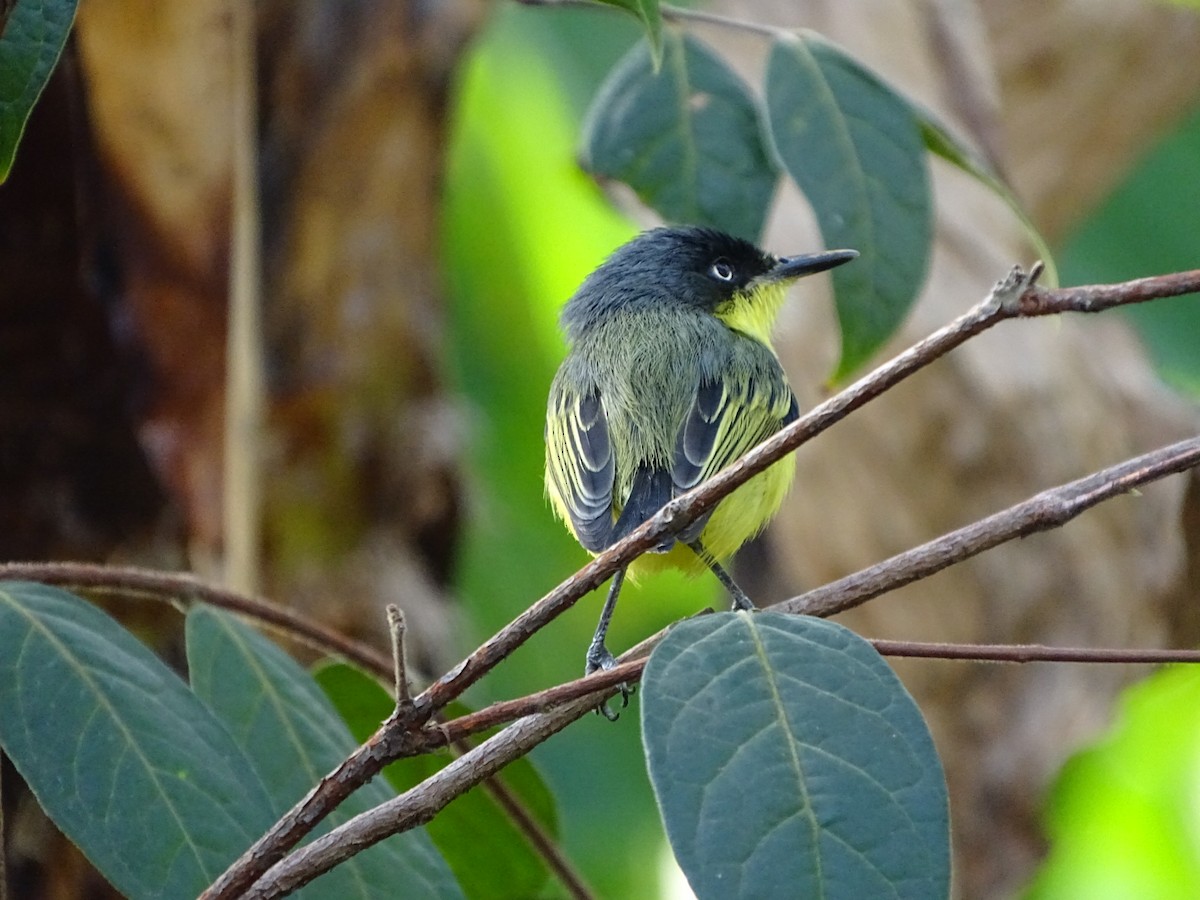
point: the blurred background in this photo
(423, 220)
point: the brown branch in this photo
(1013, 297)
(1047, 510)
(183, 588)
(543, 843)
(418, 805)
(1026, 653)
(596, 686)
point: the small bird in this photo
(670, 376)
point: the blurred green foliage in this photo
(1124, 818)
(522, 227)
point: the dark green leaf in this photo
(285, 724)
(789, 761)
(687, 139)
(941, 140)
(30, 45)
(648, 12)
(1147, 226)
(488, 855)
(854, 148)
(120, 754)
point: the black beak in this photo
(795, 266)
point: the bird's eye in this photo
(721, 270)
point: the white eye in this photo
(721, 270)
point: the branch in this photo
(1047, 510)
(1025, 653)
(182, 587)
(416, 806)
(1014, 297)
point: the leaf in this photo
(119, 753)
(788, 761)
(486, 852)
(687, 139)
(942, 141)
(1117, 243)
(30, 44)
(853, 146)
(285, 724)
(650, 15)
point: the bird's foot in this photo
(599, 658)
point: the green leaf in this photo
(488, 855)
(854, 147)
(30, 45)
(687, 139)
(942, 141)
(120, 754)
(650, 15)
(789, 761)
(1147, 226)
(292, 734)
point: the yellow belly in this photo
(737, 518)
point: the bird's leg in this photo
(736, 594)
(598, 655)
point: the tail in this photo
(651, 490)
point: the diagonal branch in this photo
(1042, 512)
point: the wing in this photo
(728, 416)
(580, 466)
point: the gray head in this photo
(682, 266)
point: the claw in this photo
(599, 658)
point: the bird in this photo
(670, 376)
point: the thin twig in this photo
(1013, 297)
(183, 588)
(396, 630)
(1027, 653)
(504, 711)
(542, 843)
(245, 393)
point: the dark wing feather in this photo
(727, 417)
(579, 462)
